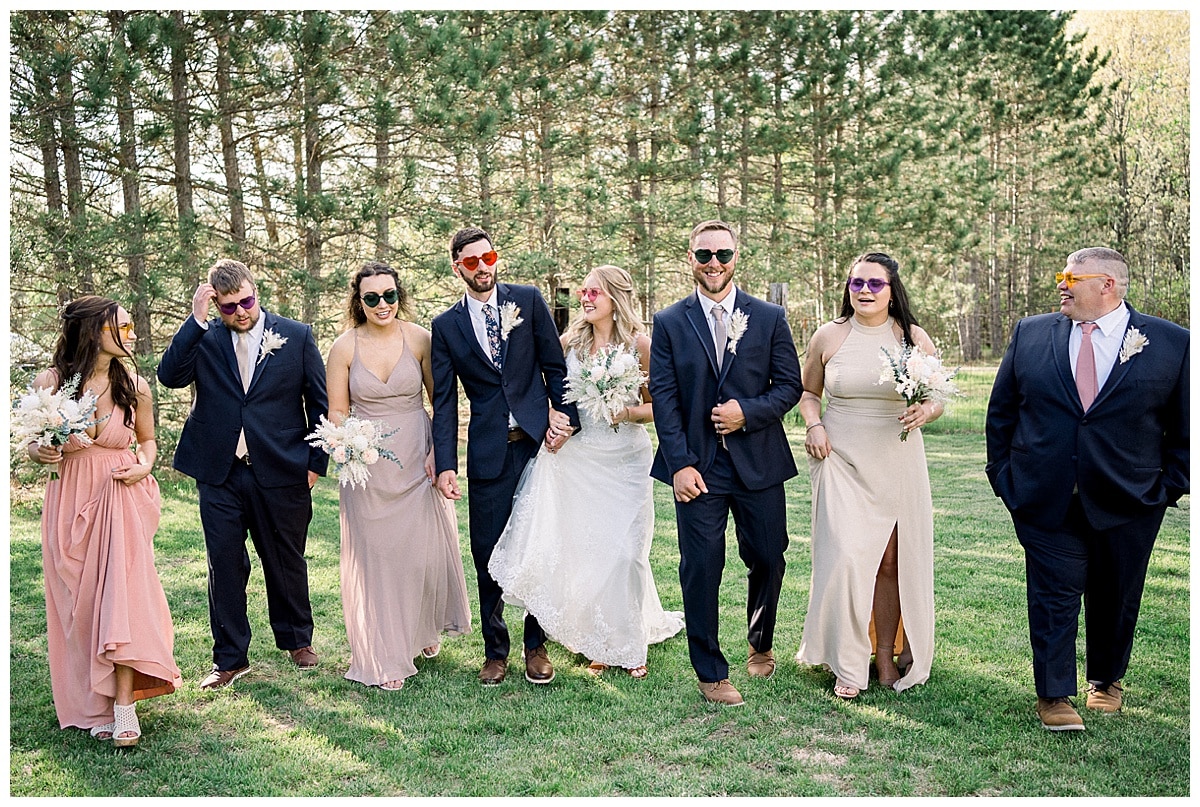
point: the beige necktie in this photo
(719, 335)
(1085, 367)
(244, 367)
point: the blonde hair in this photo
(618, 285)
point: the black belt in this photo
(516, 433)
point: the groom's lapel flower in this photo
(271, 342)
(738, 321)
(1132, 345)
(510, 317)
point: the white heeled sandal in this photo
(107, 728)
(126, 720)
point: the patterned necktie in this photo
(243, 359)
(719, 335)
(1085, 367)
(493, 334)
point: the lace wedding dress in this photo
(576, 550)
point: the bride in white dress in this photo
(576, 550)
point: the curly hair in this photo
(355, 313)
(618, 285)
(83, 321)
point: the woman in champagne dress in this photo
(402, 573)
(576, 550)
(108, 627)
(872, 516)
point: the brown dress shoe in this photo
(219, 679)
(760, 665)
(1058, 714)
(538, 669)
(1106, 699)
(304, 658)
(721, 692)
(493, 672)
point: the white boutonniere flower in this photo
(738, 321)
(1132, 345)
(271, 342)
(510, 317)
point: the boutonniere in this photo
(1132, 345)
(510, 317)
(271, 342)
(738, 321)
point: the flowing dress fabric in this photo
(402, 572)
(576, 550)
(870, 483)
(104, 602)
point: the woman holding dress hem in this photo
(871, 494)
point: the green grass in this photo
(971, 730)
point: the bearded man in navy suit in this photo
(501, 343)
(260, 389)
(1087, 445)
(723, 373)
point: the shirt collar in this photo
(707, 303)
(1113, 320)
(476, 306)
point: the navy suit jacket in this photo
(1128, 454)
(764, 377)
(532, 380)
(283, 405)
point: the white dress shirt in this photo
(1106, 342)
(727, 303)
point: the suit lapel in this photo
(1119, 370)
(501, 298)
(224, 338)
(742, 302)
(258, 367)
(1062, 357)
(695, 315)
(463, 317)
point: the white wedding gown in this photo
(576, 550)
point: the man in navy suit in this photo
(723, 373)
(501, 343)
(1087, 445)
(260, 389)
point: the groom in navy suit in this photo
(1087, 445)
(501, 343)
(260, 389)
(723, 373)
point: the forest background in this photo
(977, 147)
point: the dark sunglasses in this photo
(873, 285)
(228, 308)
(471, 262)
(589, 294)
(371, 299)
(705, 255)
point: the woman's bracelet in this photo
(814, 425)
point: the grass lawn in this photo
(971, 730)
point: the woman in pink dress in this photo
(108, 627)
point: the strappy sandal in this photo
(597, 667)
(125, 722)
(392, 686)
(106, 729)
(845, 691)
(432, 651)
(638, 672)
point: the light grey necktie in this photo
(719, 335)
(245, 368)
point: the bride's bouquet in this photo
(605, 383)
(354, 446)
(918, 376)
(52, 417)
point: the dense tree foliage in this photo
(979, 147)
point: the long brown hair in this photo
(355, 313)
(898, 308)
(83, 321)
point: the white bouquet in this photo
(353, 446)
(918, 376)
(51, 417)
(605, 383)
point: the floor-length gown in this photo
(104, 602)
(871, 482)
(402, 573)
(576, 550)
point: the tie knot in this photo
(1087, 328)
(718, 313)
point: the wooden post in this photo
(778, 294)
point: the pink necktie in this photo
(1085, 367)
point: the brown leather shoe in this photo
(1058, 714)
(538, 669)
(304, 658)
(1106, 699)
(760, 665)
(493, 672)
(721, 692)
(219, 679)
